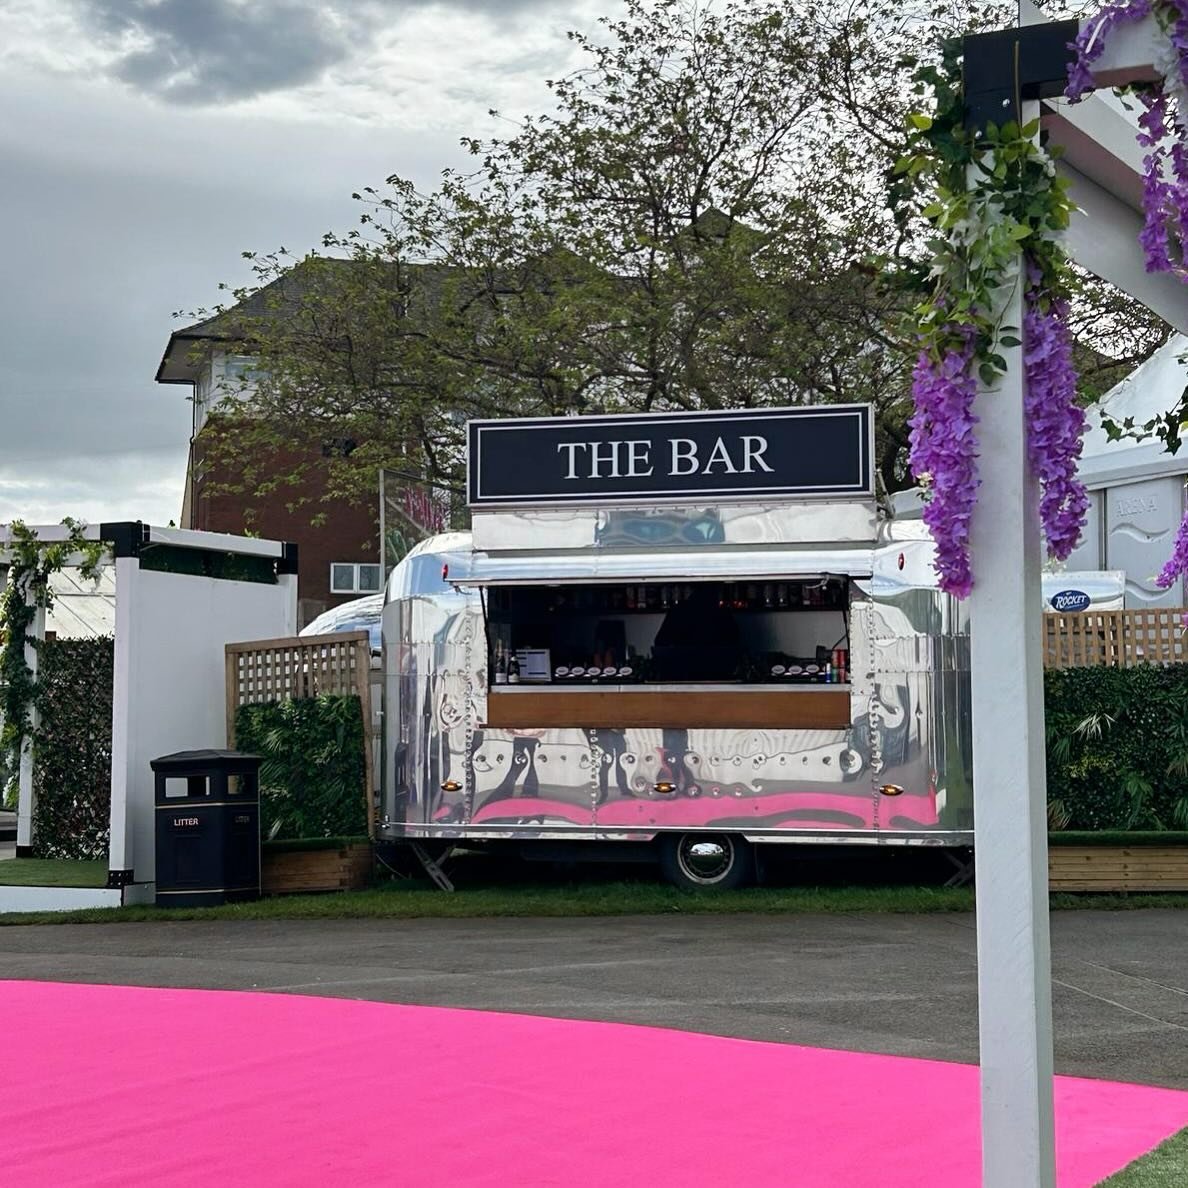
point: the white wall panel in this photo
(1089, 551)
(1141, 521)
(171, 630)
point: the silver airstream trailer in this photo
(695, 676)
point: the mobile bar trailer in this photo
(687, 630)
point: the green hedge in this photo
(1117, 741)
(314, 775)
(1131, 838)
(72, 749)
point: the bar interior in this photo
(695, 653)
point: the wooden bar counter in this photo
(674, 707)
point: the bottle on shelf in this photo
(500, 664)
(841, 664)
(513, 670)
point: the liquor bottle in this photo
(500, 664)
(513, 670)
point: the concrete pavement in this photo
(896, 984)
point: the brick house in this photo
(338, 559)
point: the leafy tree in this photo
(704, 220)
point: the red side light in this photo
(445, 570)
(901, 561)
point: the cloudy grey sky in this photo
(146, 143)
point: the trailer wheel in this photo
(699, 861)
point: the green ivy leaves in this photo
(985, 195)
(312, 780)
(31, 563)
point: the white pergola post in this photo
(123, 721)
(25, 798)
(1009, 783)
(1010, 797)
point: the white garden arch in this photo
(1019, 74)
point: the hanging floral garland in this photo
(1163, 133)
(989, 199)
(31, 562)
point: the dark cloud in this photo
(215, 51)
(210, 51)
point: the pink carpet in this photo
(116, 1085)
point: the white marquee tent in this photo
(1137, 488)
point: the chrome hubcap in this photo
(705, 859)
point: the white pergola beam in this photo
(1126, 56)
(187, 538)
(48, 533)
(1103, 164)
(1103, 237)
(1097, 141)
(180, 537)
(1129, 54)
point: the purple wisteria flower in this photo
(944, 458)
(1154, 120)
(1157, 204)
(1177, 33)
(1091, 41)
(1162, 124)
(1055, 421)
(1177, 563)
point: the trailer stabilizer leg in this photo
(964, 872)
(433, 866)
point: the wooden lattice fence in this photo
(273, 670)
(1122, 638)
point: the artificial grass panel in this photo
(52, 872)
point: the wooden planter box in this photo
(340, 868)
(1141, 866)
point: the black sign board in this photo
(776, 453)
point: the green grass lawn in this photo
(51, 872)
(499, 885)
(479, 894)
(409, 899)
(1165, 1167)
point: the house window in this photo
(348, 578)
(240, 371)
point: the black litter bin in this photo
(208, 827)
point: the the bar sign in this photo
(776, 453)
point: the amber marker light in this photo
(664, 787)
(451, 786)
(891, 790)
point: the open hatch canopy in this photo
(486, 569)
